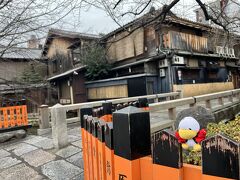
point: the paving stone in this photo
(76, 159)
(20, 172)
(47, 135)
(38, 157)
(6, 137)
(24, 149)
(13, 146)
(35, 139)
(79, 177)
(75, 131)
(45, 144)
(72, 138)
(68, 151)
(77, 143)
(60, 170)
(7, 162)
(3, 153)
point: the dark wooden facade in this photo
(176, 52)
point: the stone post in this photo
(59, 126)
(44, 126)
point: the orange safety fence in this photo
(13, 116)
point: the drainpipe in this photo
(169, 55)
(71, 94)
(170, 73)
(71, 89)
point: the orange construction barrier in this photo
(13, 118)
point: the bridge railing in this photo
(155, 98)
(59, 118)
(224, 99)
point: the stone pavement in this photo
(34, 158)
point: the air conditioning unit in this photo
(163, 63)
(178, 60)
(231, 52)
(220, 50)
(162, 72)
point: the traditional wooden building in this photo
(65, 72)
(14, 62)
(153, 56)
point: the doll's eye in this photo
(189, 128)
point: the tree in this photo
(225, 15)
(20, 18)
(30, 76)
(94, 58)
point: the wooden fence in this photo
(125, 149)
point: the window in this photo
(189, 74)
(212, 75)
(54, 66)
(150, 87)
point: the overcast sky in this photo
(94, 20)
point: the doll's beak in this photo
(187, 134)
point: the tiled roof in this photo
(20, 53)
(67, 73)
(66, 34)
(72, 34)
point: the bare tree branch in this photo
(119, 1)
